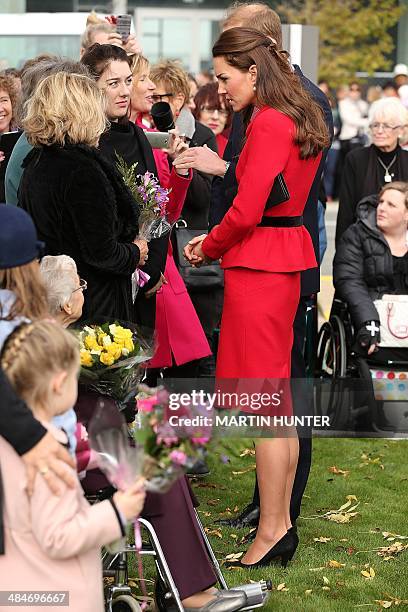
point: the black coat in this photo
(363, 265)
(82, 208)
(129, 141)
(197, 202)
(363, 176)
(224, 190)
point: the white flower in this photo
(106, 340)
(112, 329)
(125, 352)
(89, 330)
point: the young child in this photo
(52, 543)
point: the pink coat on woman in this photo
(180, 337)
(53, 543)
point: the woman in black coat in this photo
(368, 169)
(372, 260)
(77, 199)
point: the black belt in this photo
(281, 222)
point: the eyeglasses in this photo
(374, 127)
(211, 110)
(82, 285)
(159, 97)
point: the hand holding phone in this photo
(123, 23)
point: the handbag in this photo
(197, 280)
(278, 194)
(393, 313)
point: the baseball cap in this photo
(400, 69)
(18, 238)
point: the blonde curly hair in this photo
(65, 108)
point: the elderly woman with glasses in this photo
(211, 110)
(65, 290)
(368, 169)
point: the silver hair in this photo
(34, 74)
(60, 278)
(388, 109)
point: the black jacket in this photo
(363, 265)
(224, 190)
(82, 208)
(363, 176)
(197, 202)
(129, 141)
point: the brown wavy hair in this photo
(30, 293)
(277, 85)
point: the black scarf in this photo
(374, 179)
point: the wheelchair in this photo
(359, 394)
(118, 594)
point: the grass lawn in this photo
(324, 575)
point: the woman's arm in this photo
(263, 162)
(89, 204)
(349, 277)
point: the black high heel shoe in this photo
(282, 552)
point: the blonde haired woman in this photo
(78, 201)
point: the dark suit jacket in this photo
(197, 202)
(223, 190)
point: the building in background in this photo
(182, 29)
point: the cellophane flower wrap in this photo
(170, 451)
(112, 357)
(151, 198)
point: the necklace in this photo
(387, 176)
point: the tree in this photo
(354, 34)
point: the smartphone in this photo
(158, 140)
(123, 23)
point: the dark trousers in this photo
(301, 405)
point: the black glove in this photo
(368, 334)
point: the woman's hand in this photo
(203, 159)
(49, 457)
(176, 147)
(143, 248)
(130, 502)
(368, 336)
(194, 253)
(157, 286)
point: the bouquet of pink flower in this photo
(171, 449)
(152, 200)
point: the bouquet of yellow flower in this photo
(111, 358)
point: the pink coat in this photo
(53, 543)
(180, 337)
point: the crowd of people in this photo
(249, 158)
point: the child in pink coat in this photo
(52, 543)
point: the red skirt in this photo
(257, 328)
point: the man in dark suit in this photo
(224, 187)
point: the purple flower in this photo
(178, 457)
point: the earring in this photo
(254, 88)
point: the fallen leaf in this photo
(248, 451)
(308, 591)
(369, 574)
(325, 588)
(335, 470)
(234, 556)
(213, 502)
(214, 532)
(322, 539)
(251, 468)
(335, 564)
(281, 586)
(383, 604)
(326, 580)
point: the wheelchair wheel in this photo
(331, 350)
(125, 603)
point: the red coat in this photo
(269, 150)
(180, 337)
(263, 264)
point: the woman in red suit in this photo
(264, 249)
